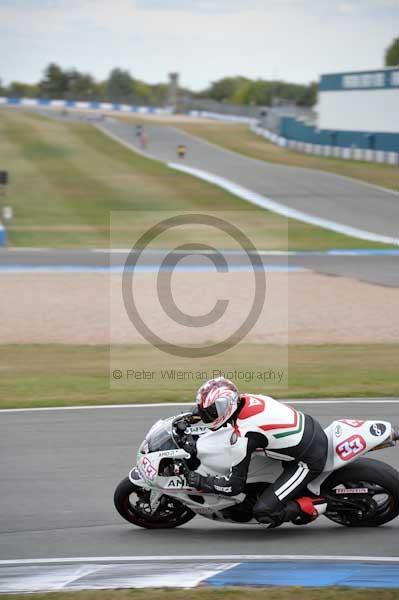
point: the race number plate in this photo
(350, 447)
(147, 468)
(352, 422)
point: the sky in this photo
(203, 40)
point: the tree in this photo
(159, 93)
(55, 82)
(120, 86)
(392, 54)
(224, 89)
(309, 95)
(16, 89)
(254, 92)
(81, 86)
(142, 93)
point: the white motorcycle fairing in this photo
(347, 440)
(217, 456)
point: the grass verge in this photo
(278, 593)
(66, 178)
(57, 375)
(239, 138)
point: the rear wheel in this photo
(379, 505)
(133, 504)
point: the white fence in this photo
(378, 156)
(92, 106)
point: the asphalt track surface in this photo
(379, 269)
(59, 468)
(322, 194)
(318, 193)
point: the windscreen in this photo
(160, 437)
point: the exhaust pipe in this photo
(393, 438)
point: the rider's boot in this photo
(299, 511)
(309, 509)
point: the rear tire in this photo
(171, 513)
(363, 473)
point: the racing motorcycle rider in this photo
(286, 434)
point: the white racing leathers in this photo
(286, 435)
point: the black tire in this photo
(174, 513)
(358, 474)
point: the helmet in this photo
(217, 401)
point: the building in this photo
(361, 101)
(355, 110)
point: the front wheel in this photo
(133, 504)
(379, 505)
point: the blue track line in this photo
(308, 574)
(142, 268)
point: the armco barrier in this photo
(205, 114)
(76, 105)
(303, 131)
(346, 153)
(364, 154)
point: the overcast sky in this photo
(203, 40)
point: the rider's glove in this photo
(190, 445)
(195, 416)
(203, 483)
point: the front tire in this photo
(132, 503)
(367, 473)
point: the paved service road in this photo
(325, 195)
(379, 269)
(58, 471)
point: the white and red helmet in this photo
(217, 401)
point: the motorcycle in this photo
(359, 491)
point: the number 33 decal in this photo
(148, 469)
(350, 447)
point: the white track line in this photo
(196, 558)
(188, 404)
(260, 200)
(282, 209)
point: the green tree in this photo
(120, 86)
(392, 54)
(224, 89)
(100, 93)
(142, 93)
(159, 93)
(55, 82)
(254, 92)
(309, 95)
(81, 86)
(16, 89)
